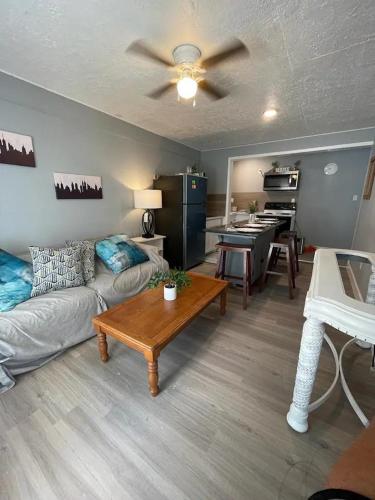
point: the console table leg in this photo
(308, 360)
(153, 377)
(103, 346)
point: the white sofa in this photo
(41, 328)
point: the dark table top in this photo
(223, 230)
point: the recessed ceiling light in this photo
(270, 113)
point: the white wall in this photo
(246, 178)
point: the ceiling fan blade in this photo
(232, 49)
(212, 90)
(140, 48)
(160, 91)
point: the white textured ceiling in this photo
(314, 60)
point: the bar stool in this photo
(273, 255)
(291, 236)
(246, 276)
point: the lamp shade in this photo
(147, 199)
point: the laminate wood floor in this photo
(78, 428)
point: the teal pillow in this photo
(119, 253)
(16, 278)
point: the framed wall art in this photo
(77, 187)
(16, 149)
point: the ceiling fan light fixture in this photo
(187, 87)
(189, 67)
(270, 113)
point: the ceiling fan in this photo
(190, 72)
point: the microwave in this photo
(281, 181)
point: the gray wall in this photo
(364, 239)
(215, 162)
(69, 137)
(326, 212)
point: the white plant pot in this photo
(252, 217)
(170, 293)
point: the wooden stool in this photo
(246, 276)
(273, 255)
(291, 236)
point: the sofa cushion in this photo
(119, 253)
(56, 268)
(16, 278)
(88, 257)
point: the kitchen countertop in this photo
(222, 230)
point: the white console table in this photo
(157, 241)
(327, 303)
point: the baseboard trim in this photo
(211, 257)
(354, 284)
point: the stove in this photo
(283, 211)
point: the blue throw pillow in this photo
(16, 278)
(119, 253)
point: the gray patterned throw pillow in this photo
(56, 268)
(88, 257)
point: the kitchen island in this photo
(260, 241)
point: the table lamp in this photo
(148, 199)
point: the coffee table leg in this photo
(153, 373)
(223, 302)
(153, 377)
(103, 346)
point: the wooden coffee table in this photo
(147, 322)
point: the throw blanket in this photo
(54, 322)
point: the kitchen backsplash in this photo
(215, 205)
(216, 202)
(241, 200)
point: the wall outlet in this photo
(355, 197)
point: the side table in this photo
(157, 241)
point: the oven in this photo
(282, 211)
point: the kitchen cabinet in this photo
(211, 238)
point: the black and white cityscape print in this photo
(16, 149)
(77, 187)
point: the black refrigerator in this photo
(182, 219)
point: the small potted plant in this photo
(174, 280)
(253, 207)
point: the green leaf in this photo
(176, 277)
